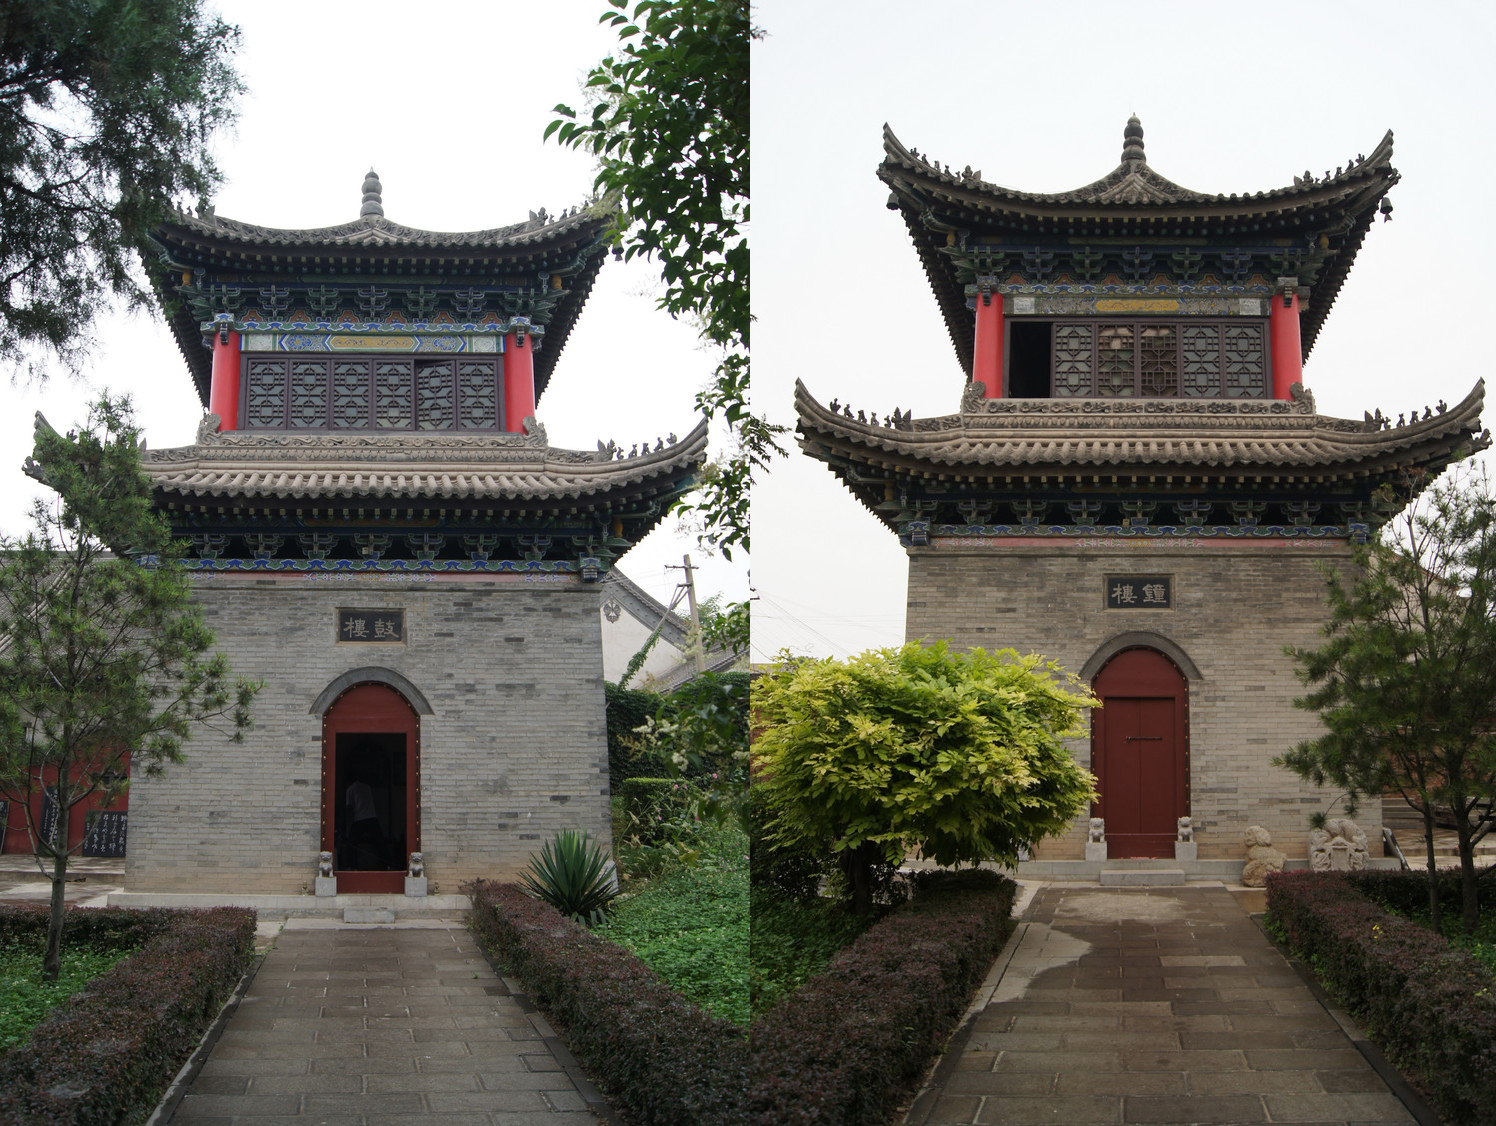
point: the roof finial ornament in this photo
(373, 196)
(1132, 141)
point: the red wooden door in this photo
(1140, 753)
(371, 764)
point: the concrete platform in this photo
(1227, 871)
(1143, 877)
(362, 907)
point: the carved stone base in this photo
(415, 885)
(1095, 850)
(327, 885)
(1186, 850)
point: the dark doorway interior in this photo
(369, 815)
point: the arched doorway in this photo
(371, 787)
(1140, 752)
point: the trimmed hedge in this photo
(664, 1061)
(1431, 1006)
(108, 1053)
(853, 1041)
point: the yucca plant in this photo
(574, 875)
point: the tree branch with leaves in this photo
(669, 129)
(106, 108)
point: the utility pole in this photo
(698, 646)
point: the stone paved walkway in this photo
(1159, 1006)
(349, 1026)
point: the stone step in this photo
(1143, 877)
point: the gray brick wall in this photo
(1237, 604)
(516, 748)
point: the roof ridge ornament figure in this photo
(1132, 141)
(373, 196)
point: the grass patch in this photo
(25, 998)
(690, 924)
(793, 940)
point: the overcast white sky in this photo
(449, 108)
(447, 101)
(1233, 98)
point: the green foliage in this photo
(573, 874)
(781, 870)
(108, 655)
(852, 1042)
(1405, 680)
(662, 1060)
(957, 754)
(108, 1052)
(628, 709)
(793, 940)
(1429, 1006)
(690, 925)
(701, 732)
(25, 997)
(669, 129)
(106, 107)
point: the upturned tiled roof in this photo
(573, 242)
(374, 232)
(1334, 212)
(1065, 437)
(411, 467)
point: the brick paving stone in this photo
(378, 1026)
(1074, 1110)
(1152, 1005)
(1198, 1110)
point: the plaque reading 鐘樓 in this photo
(378, 627)
(1140, 592)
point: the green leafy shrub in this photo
(573, 874)
(959, 753)
(1431, 1006)
(850, 1043)
(108, 1053)
(627, 710)
(662, 1060)
(656, 809)
(709, 717)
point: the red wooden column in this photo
(1284, 341)
(223, 393)
(987, 354)
(519, 380)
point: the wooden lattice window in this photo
(384, 393)
(1150, 359)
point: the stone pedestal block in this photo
(327, 885)
(415, 885)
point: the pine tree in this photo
(105, 657)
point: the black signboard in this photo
(371, 627)
(106, 834)
(1140, 592)
(49, 815)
